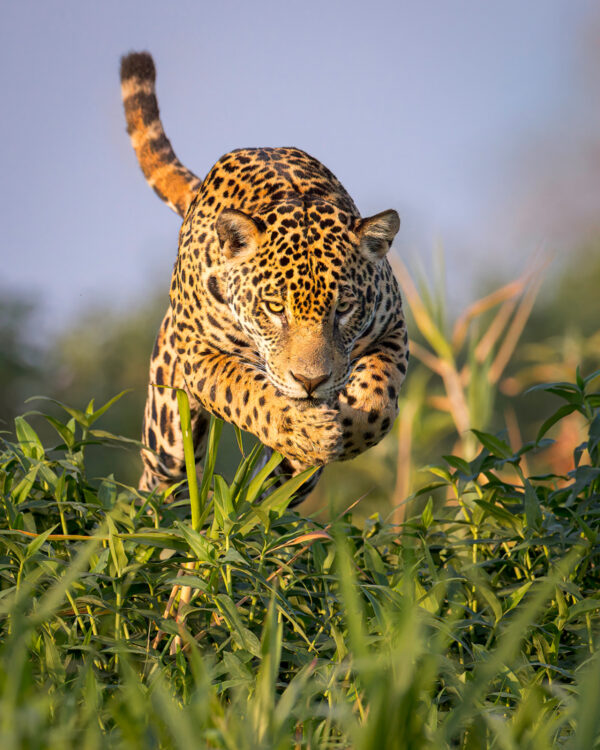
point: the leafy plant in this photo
(472, 625)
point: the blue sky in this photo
(423, 107)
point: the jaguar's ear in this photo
(377, 232)
(238, 233)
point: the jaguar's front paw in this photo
(311, 436)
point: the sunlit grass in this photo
(472, 626)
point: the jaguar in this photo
(285, 317)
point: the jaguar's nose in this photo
(310, 384)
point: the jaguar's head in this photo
(301, 280)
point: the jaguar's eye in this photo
(274, 307)
(344, 306)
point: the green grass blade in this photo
(196, 505)
(587, 714)
(210, 460)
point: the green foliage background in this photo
(475, 625)
(437, 603)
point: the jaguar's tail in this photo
(171, 181)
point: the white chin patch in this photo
(296, 393)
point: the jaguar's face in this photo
(301, 281)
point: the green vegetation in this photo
(416, 601)
(474, 624)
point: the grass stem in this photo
(183, 403)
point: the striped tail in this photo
(171, 181)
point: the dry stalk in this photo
(484, 304)
(184, 599)
(459, 408)
(514, 331)
(426, 357)
(493, 333)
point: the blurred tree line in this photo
(104, 353)
(100, 355)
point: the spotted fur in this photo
(285, 316)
